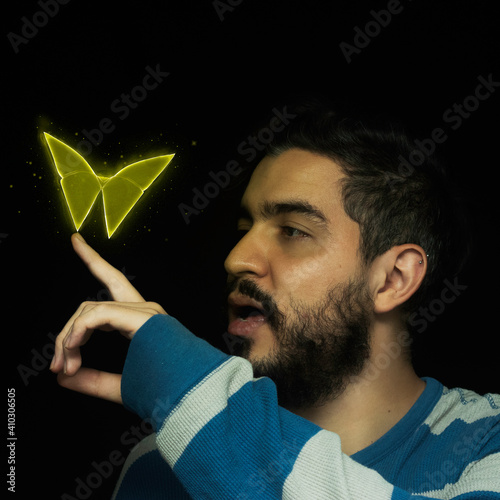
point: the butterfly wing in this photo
(122, 191)
(79, 183)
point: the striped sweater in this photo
(220, 434)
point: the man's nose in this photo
(249, 256)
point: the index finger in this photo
(114, 280)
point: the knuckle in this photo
(78, 323)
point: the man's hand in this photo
(127, 314)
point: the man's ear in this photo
(396, 275)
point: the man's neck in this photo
(371, 405)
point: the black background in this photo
(226, 72)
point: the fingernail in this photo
(80, 237)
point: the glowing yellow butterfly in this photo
(120, 193)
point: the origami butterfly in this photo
(120, 193)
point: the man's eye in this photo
(292, 232)
(243, 226)
(241, 230)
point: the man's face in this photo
(296, 297)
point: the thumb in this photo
(95, 383)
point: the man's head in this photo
(338, 238)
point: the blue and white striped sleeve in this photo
(224, 436)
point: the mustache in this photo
(253, 291)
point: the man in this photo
(340, 244)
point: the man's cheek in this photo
(307, 274)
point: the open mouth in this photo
(246, 312)
(245, 315)
(243, 307)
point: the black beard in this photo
(318, 350)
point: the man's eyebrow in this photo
(270, 209)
